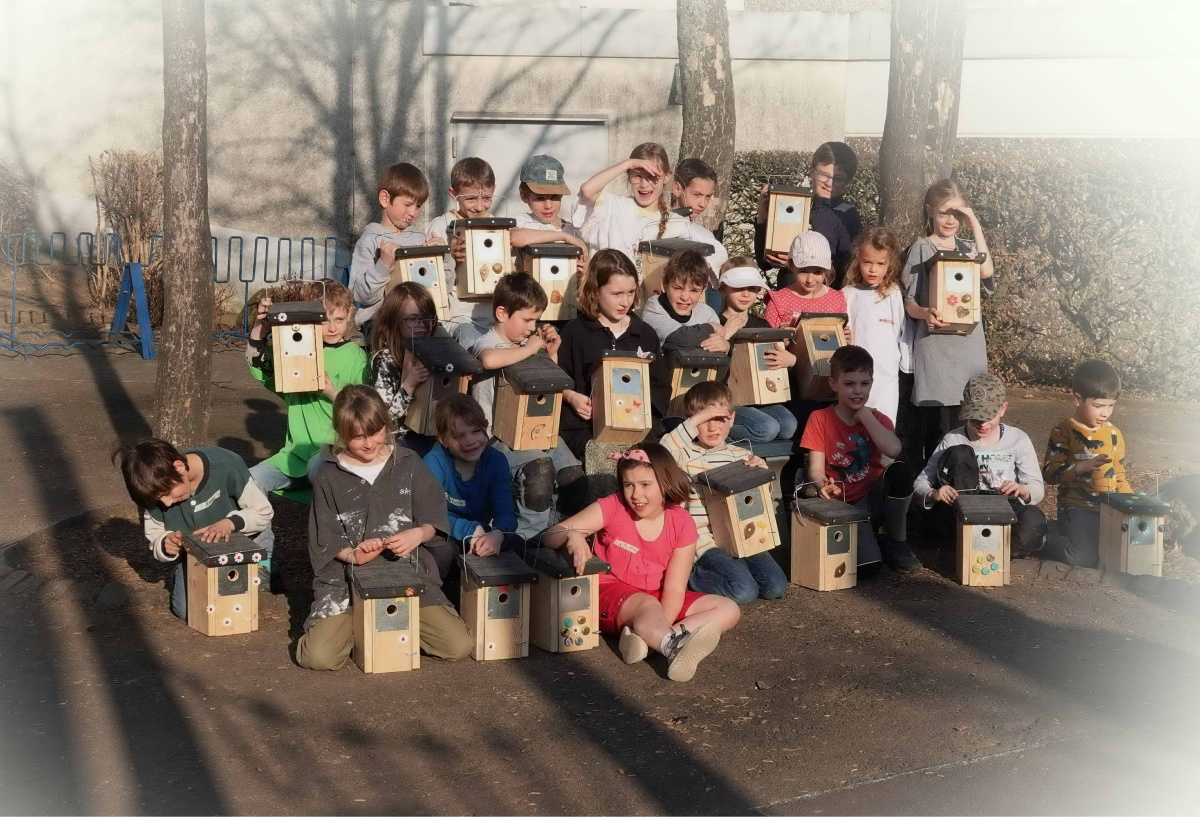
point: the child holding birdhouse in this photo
(543, 185)
(678, 314)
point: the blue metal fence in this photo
(31, 254)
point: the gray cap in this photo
(544, 175)
(983, 398)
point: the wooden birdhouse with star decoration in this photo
(565, 606)
(495, 604)
(385, 605)
(740, 510)
(621, 410)
(954, 288)
(556, 267)
(488, 255)
(297, 347)
(222, 584)
(423, 265)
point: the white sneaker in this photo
(633, 648)
(686, 650)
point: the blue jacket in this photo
(485, 499)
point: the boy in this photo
(517, 303)
(678, 315)
(831, 170)
(204, 491)
(543, 186)
(692, 191)
(402, 191)
(479, 495)
(309, 414)
(985, 455)
(472, 185)
(846, 443)
(1085, 457)
(700, 444)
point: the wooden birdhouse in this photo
(654, 254)
(984, 529)
(740, 510)
(495, 604)
(423, 265)
(621, 398)
(788, 211)
(297, 348)
(489, 255)
(954, 290)
(528, 403)
(689, 367)
(817, 338)
(222, 584)
(556, 267)
(385, 603)
(450, 368)
(565, 607)
(751, 379)
(825, 543)
(1131, 533)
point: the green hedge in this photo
(1095, 245)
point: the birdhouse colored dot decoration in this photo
(825, 543)
(488, 255)
(297, 351)
(740, 510)
(564, 606)
(654, 254)
(1131, 533)
(954, 289)
(751, 378)
(788, 214)
(450, 368)
(528, 403)
(386, 615)
(621, 411)
(983, 535)
(423, 265)
(495, 604)
(556, 267)
(222, 597)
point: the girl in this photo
(650, 541)
(810, 263)
(607, 298)
(877, 318)
(622, 222)
(942, 364)
(741, 286)
(408, 311)
(370, 496)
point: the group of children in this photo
(378, 484)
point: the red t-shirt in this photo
(850, 456)
(634, 560)
(784, 306)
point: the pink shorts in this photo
(614, 593)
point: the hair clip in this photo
(636, 454)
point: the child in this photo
(517, 303)
(1084, 458)
(741, 286)
(207, 492)
(543, 185)
(699, 444)
(472, 186)
(607, 299)
(942, 364)
(693, 188)
(479, 491)
(878, 322)
(403, 190)
(369, 497)
(678, 314)
(846, 443)
(622, 222)
(407, 312)
(810, 263)
(832, 167)
(309, 414)
(985, 455)
(650, 541)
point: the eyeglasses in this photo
(414, 321)
(821, 175)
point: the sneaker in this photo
(685, 650)
(633, 648)
(898, 556)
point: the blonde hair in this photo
(738, 261)
(358, 410)
(884, 240)
(600, 269)
(330, 292)
(938, 194)
(655, 151)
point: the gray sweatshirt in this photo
(369, 277)
(1011, 459)
(678, 331)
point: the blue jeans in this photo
(761, 424)
(264, 539)
(269, 478)
(742, 580)
(537, 475)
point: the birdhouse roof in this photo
(830, 511)
(632, 357)
(734, 478)
(763, 335)
(488, 223)
(788, 190)
(423, 251)
(1136, 504)
(209, 553)
(296, 312)
(816, 316)
(699, 358)
(554, 249)
(557, 564)
(443, 354)
(955, 255)
(984, 509)
(503, 568)
(537, 374)
(386, 577)
(670, 246)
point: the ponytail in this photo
(655, 151)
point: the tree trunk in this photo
(945, 83)
(706, 72)
(182, 390)
(902, 150)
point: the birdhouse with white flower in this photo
(222, 584)
(740, 510)
(297, 350)
(751, 378)
(825, 543)
(495, 604)
(788, 212)
(983, 539)
(385, 605)
(621, 410)
(1131, 533)
(954, 287)
(450, 368)
(565, 606)
(423, 265)
(488, 255)
(556, 267)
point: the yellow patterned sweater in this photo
(1072, 442)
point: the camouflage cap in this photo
(982, 398)
(544, 175)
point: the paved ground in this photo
(902, 696)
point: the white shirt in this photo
(700, 233)
(616, 222)
(880, 327)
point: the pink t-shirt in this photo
(634, 560)
(785, 306)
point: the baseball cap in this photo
(740, 277)
(982, 398)
(811, 249)
(544, 175)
